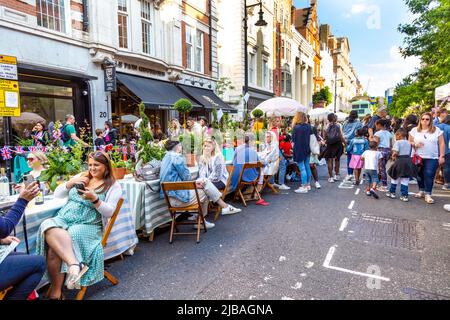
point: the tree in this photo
(183, 106)
(223, 85)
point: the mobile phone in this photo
(28, 179)
(79, 186)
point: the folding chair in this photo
(4, 292)
(266, 179)
(193, 208)
(105, 237)
(215, 208)
(242, 184)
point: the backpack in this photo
(64, 135)
(333, 134)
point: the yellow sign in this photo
(9, 87)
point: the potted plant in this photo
(183, 106)
(120, 167)
(189, 147)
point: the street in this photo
(334, 243)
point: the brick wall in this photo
(206, 46)
(19, 6)
(183, 43)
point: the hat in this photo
(171, 144)
(382, 108)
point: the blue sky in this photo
(371, 26)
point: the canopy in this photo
(442, 92)
(129, 118)
(341, 116)
(281, 107)
(27, 118)
(319, 114)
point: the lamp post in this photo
(260, 23)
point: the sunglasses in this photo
(31, 159)
(425, 119)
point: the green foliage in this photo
(147, 149)
(246, 122)
(118, 162)
(23, 141)
(215, 122)
(63, 164)
(427, 37)
(223, 85)
(258, 113)
(323, 95)
(191, 144)
(183, 106)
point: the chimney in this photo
(324, 33)
(313, 3)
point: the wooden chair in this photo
(266, 179)
(4, 292)
(105, 237)
(193, 208)
(215, 208)
(254, 184)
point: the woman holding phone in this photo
(71, 241)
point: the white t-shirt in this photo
(371, 159)
(430, 150)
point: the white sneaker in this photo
(276, 185)
(302, 190)
(318, 186)
(447, 207)
(412, 181)
(284, 187)
(331, 180)
(230, 210)
(349, 178)
(308, 187)
(337, 177)
(209, 225)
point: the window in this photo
(147, 32)
(282, 49)
(251, 68)
(123, 23)
(199, 51)
(51, 14)
(286, 83)
(189, 48)
(288, 51)
(283, 85)
(265, 74)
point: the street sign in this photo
(9, 87)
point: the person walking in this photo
(381, 115)
(334, 148)
(301, 138)
(110, 134)
(349, 129)
(429, 146)
(384, 139)
(69, 134)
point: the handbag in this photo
(148, 172)
(314, 145)
(417, 160)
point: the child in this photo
(371, 158)
(384, 139)
(356, 148)
(402, 169)
(99, 141)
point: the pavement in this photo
(333, 243)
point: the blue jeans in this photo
(23, 272)
(427, 173)
(282, 169)
(349, 158)
(447, 169)
(305, 171)
(382, 165)
(403, 188)
(372, 176)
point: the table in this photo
(149, 210)
(121, 239)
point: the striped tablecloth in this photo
(121, 239)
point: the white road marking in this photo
(297, 286)
(343, 224)
(326, 264)
(309, 264)
(351, 204)
(357, 191)
(282, 258)
(286, 298)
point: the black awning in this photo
(155, 94)
(207, 98)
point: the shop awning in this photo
(207, 98)
(155, 94)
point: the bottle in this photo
(4, 186)
(40, 195)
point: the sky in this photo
(371, 26)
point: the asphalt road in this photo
(328, 244)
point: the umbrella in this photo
(319, 114)
(129, 118)
(27, 118)
(341, 116)
(281, 107)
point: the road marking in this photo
(351, 204)
(326, 264)
(343, 224)
(344, 185)
(357, 191)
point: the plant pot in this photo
(190, 159)
(119, 173)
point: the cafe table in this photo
(149, 210)
(122, 238)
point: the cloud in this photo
(358, 8)
(389, 73)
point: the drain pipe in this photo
(210, 37)
(85, 16)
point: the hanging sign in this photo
(9, 87)
(110, 78)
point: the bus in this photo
(363, 107)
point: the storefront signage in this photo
(110, 78)
(9, 87)
(135, 67)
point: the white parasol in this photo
(27, 118)
(129, 118)
(319, 114)
(281, 107)
(341, 116)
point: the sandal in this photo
(73, 280)
(419, 195)
(429, 199)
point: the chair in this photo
(4, 292)
(192, 208)
(215, 208)
(242, 184)
(105, 237)
(266, 179)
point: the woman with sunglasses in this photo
(71, 241)
(36, 161)
(428, 142)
